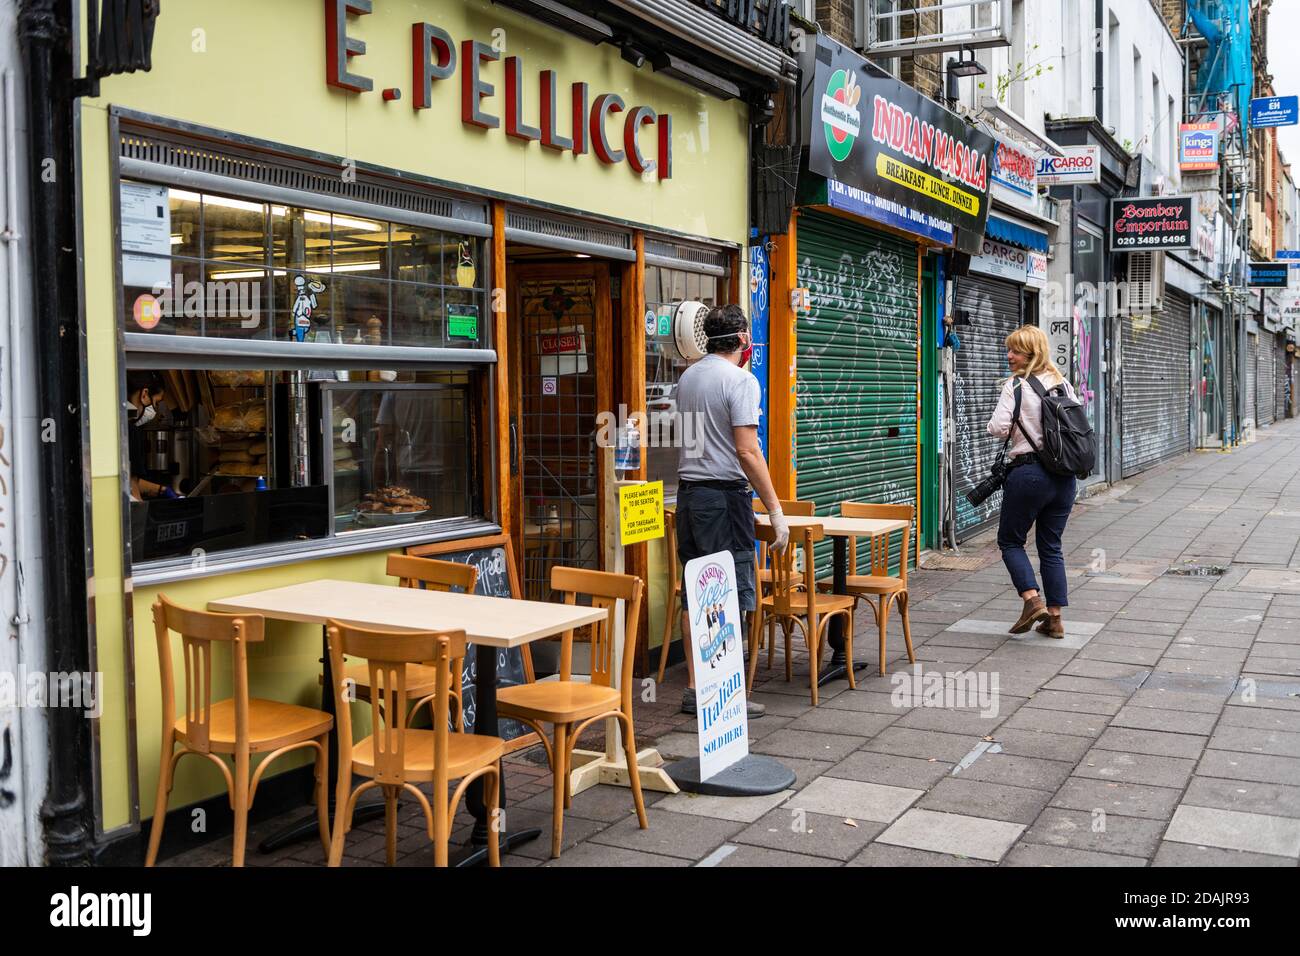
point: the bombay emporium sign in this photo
(436, 57)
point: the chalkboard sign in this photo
(497, 577)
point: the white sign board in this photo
(1079, 164)
(146, 221)
(716, 635)
(1036, 275)
(1001, 260)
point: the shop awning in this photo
(700, 27)
(1015, 234)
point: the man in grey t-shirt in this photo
(718, 401)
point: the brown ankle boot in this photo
(1035, 610)
(1052, 626)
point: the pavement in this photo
(1164, 730)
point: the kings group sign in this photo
(1155, 222)
(899, 157)
(1198, 146)
(437, 57)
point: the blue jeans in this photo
(1034, 496)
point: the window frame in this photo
(146, 350)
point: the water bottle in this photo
(261, 483)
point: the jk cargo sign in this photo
(1156, 222)
(901, 158)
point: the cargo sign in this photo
(1079, 164)
(1269, 275)
(1266, 111)
(1156, 222)
(1198, 146)
(1003, 261)
(899, 157)
(1015, 170)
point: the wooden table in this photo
(839, 530)
(490, 624)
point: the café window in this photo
(664, 288)
(204, 264)
(297, 379)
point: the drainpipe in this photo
(45, 29)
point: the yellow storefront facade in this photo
(385, 262)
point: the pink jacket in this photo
(1031, 414)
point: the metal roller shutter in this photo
(1266, 379)
(1283, 379)
(1252, 351)
(981, 365)
(855, 392)
(1156, 381)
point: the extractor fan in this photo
(688, 330)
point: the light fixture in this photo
(632, 55)
(959, 68)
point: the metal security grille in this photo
(994, 310)
(1252, 361)
(855, 390)
(559, 440)
(1283, 377)
(1266, 380)
(1156, 387)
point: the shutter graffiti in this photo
(855, 388)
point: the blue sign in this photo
(760, 310)
(1291, 254)
(887, 211)
(1269, 275)
(1268, 111)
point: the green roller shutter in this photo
(855, 382)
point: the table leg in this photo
(307, 826)
(835, 636)
(485, 722)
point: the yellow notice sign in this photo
(640, 512)
(922, 182)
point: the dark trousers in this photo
(1033, 496)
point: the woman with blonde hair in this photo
(1032, 496)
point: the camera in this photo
(996, 479)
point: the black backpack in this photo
(1069, 445)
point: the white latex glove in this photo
(781, 527)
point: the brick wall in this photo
(836, 19)
(1175, 14)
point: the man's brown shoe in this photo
(1035, 610)
(1052, 626)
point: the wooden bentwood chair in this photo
(430, 575)
(794, 599)
(878, 583)
(793, 509)
(395, 758)
(572, 706)
(236, 727)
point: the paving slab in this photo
(598, 855)
(814, 834)
(1037, 743)
(669, 834)
(891, 769)
(925, 744)
(1126, 799)
(1032, 772)
(1173, 721)
(1241, 766)
(1037, 854)
(856, 799)
(738, 809)
(848, 722)
(806, 744)
(953, 833)
(1234, 830)
(1191, 855)
(1250, 740)
(885, 855)
(1057, 721)
(993, 801)
(1075, 702)
(758, 856)
(1097, 831)
(1154, 742)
